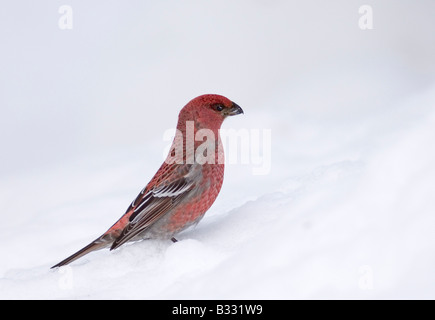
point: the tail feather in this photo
(94, 245)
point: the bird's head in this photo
(209, 111)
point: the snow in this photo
(346, 210)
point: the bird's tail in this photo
(97, 244)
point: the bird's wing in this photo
(151, 205)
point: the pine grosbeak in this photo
(184, 187)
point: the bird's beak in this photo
(234, 110)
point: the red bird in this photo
(184, 187)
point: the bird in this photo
(183, 188)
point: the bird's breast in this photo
(193, 209)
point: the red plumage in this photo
(184, 188)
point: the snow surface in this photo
(346, 211)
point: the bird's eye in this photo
(218, 107)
